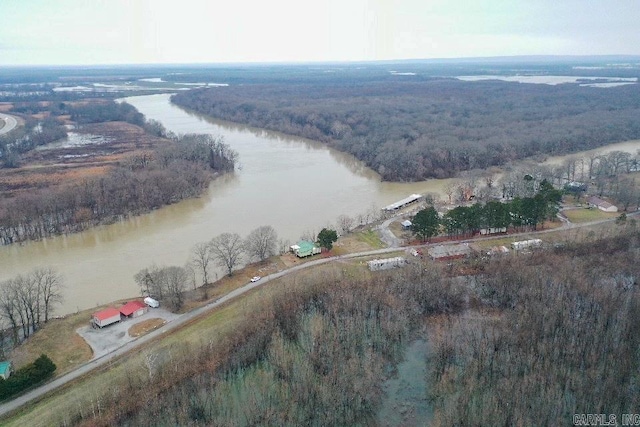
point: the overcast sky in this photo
(204, 31)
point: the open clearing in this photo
(581, 215)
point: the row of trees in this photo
(171, 173)
(165, 283)
(228, 250)
(28, 300)
(527, 212)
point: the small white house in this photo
(603, 205)
(406, 224)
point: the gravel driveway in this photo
(109, 338)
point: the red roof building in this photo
(106, 317)
(134, 309)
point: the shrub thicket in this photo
(26, 377)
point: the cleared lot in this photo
(109, 338)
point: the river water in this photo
(292, 184)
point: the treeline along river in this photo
(292, 184)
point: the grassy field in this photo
(58, 340)
(586, 215)
(370, 238)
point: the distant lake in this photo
(556, 80)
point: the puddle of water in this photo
(405, 402)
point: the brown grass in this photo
(357, 241)
(58, 340)
(145, 327)
(47, 168)
(211, 292)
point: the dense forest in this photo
(432, 127)
(564, 340)
(526, 340)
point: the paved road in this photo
(10, 123)
(94, 363)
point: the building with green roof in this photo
(6, 368)
(304, 248)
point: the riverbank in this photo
(60, 341)
(220, 318)
(270, 188)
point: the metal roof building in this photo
(105, 317)
(303, 249)
(401, 203)
(134, 309)
(6, 368)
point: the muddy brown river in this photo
(292, 184)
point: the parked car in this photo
(255, 278)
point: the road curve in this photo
(10, 123)
(12, 405)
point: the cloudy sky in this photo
(204, 31)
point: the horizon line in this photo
(359, 61)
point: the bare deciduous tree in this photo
(227, 250)
(261, 242)
(50, 285)
(26, 299)
(345, 224)
(9, 308)
(200, 259)
(151, 281)
(176, 280)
